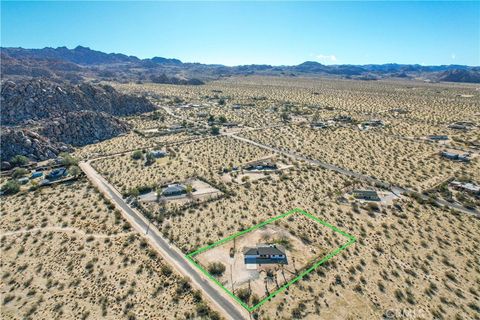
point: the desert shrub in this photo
(137, 155)
(74, 170)
(68, 160)
(372, 206)
(166, 270)
(19, 172)
(216, 268)
(215, 131)
(18, 160)
(243, 294)
(10, 187)
(183, 286)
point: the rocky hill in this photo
(28, 143)
(83, 127)
(41, 118)
(28, 100)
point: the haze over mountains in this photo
(82, 62)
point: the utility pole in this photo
(231, 278)
(148, 227)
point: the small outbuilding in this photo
(343, 118)
(159, 153)
(438, 137)
(36, 174)
(318, 125)
(465, 157)
(369, 195)
(23, 180)
(467, 187)
(57, 174)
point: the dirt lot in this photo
(67, 254)
(294, 233)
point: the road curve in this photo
(168, 251)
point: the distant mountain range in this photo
(81, 62)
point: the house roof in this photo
(467, 186)
(174, 188)
(159, 152)
(265, 250)
(264, 163)
(366, 192)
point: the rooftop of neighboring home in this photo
(455, 154)
(366, 194)
(438, 137)
(261, 164)
(231, 124)
(466, 186)
(57, 173)
(159, 153)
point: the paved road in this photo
(395, 189)
(168, 251)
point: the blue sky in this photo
(232, 33)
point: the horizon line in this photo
(247, 64)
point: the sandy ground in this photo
(240, 276)
(410, 256)
(66, 254)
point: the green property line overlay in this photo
(351, 238)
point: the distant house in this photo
(369, 195)
(438, 137)
(347, 119)
(57, 174)
(468, 187)
(36, 174)
(399, 110)
(261, 165)
(455, 156)
(159, 153)
(373, 123)
(174, 190)
(23, 180)
(231, 125)
(265, 254)
(176, 128)
(457, 126)
(318, 125)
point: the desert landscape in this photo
(68, 253)
(240, 160)
(412, 253)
